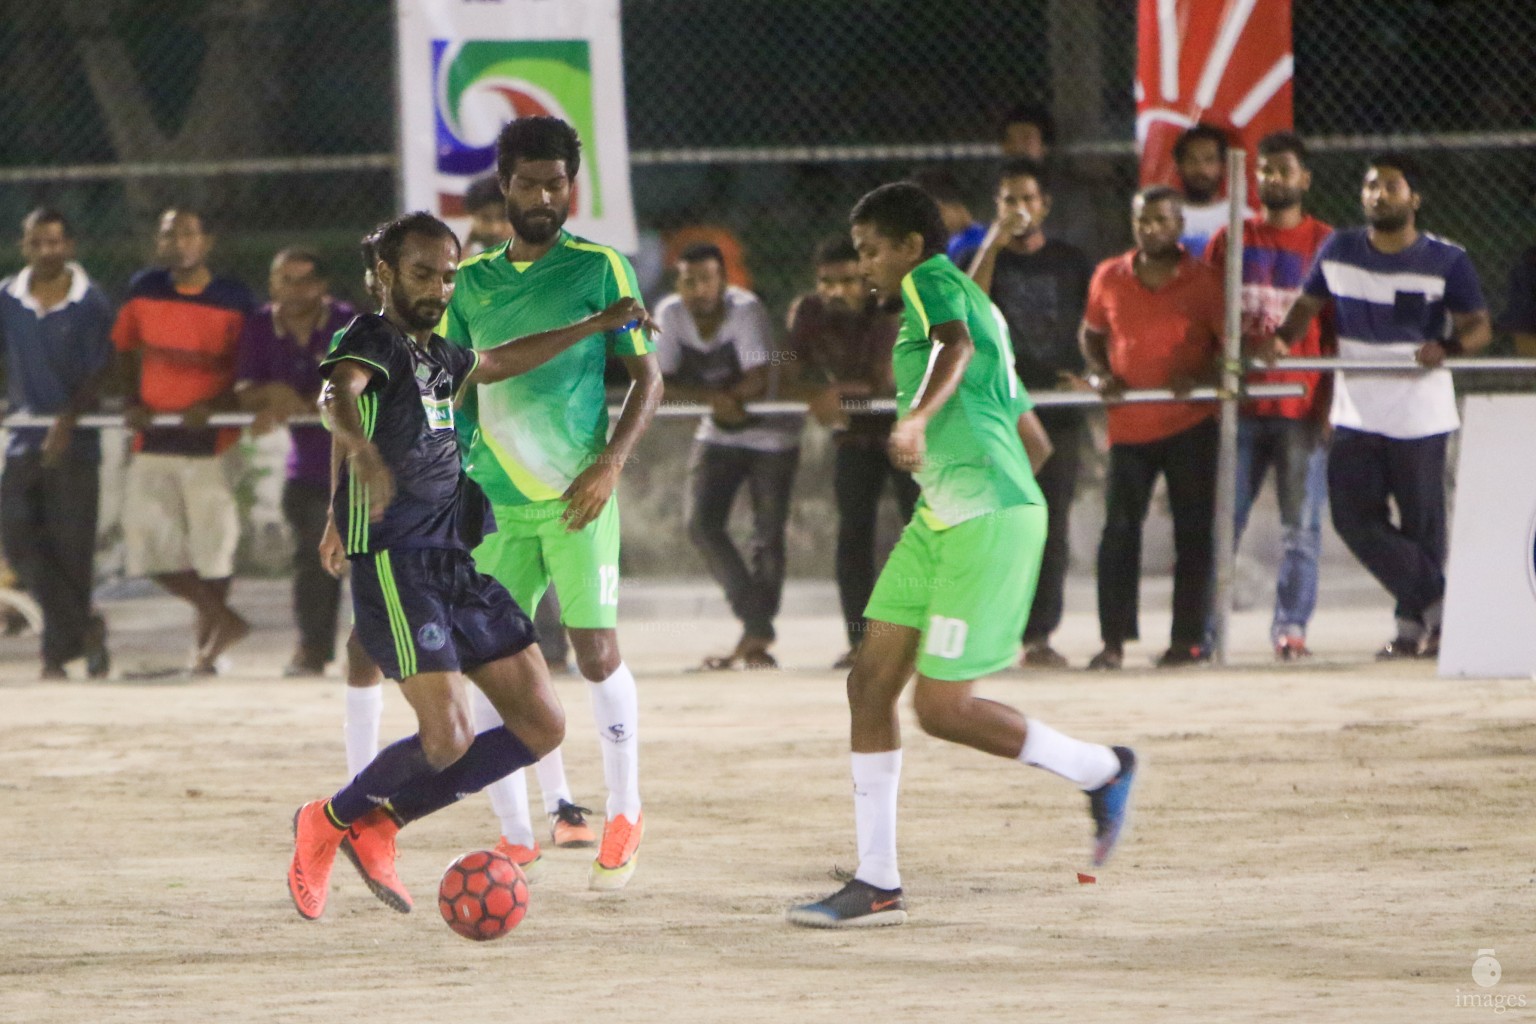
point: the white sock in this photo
(551, 772)
(1085, 765)
(360, 727)
(509, 795)
(876, 779)
(616, 710)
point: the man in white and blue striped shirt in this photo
(1397, 292)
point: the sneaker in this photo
(1110, 659)
(616, 859)
(1291, 648)
(52, 672)
(1043, 655)
(1110, 804)
(568, 828)
(530, 859)
(856, 905)
(1181, 656)
(370, 845)
(315, 842)
(845, 663)
(1431, 646)
(98, 660)
(1398, 648)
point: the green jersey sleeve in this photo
(622, 284)
(934, 297)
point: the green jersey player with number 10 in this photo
(953, 597)
(539, 448)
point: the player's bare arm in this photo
(520, 355)
(1037, 443)
(909, 437)
(338, 400)
(1297, 319)
(590, 492)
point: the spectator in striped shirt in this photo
(1399, 292)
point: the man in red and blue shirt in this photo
(1286, 433)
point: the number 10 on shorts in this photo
(608, 585)
(946, 637)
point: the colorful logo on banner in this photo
(479, 85)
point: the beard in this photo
(1279, 198)
(537, 226)
(422, 315)
(1387, 220)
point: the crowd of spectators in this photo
(189, 343)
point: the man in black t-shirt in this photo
(1041, 285)
(409, 517)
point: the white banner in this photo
(1490, 596)
(467, 67)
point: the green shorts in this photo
(967, 589)
(532, 548)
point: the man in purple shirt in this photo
(278, 378)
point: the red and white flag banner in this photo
(1226, 63)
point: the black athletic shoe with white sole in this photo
(856, 905)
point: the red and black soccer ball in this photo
(483, 895)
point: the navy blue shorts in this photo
(429, 610)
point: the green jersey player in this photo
(953, 597)
(539, 448)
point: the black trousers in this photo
(48, 525)
(1408, 558)
(1188, 461)
(753, 586)
(316, 593)
(1058, 482)
(860, 471)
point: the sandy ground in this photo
(1329, 842)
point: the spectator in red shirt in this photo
(176, 339)
(1154, 321)
(1287, 433)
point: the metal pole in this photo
(1225, 510)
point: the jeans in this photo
(48, 525)
(1300, 460)
(715, 473)
(1188, 461)
(316, 593)
(1058, 482)
(1408, 558)
(860, 471)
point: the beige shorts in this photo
(179, 514)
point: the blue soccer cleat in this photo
(1110, 806)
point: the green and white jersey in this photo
(975, 463)
(525, 439)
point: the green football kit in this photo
(526, 438)
(965, 568)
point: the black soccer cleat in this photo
(856, 905)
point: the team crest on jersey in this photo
(431, 637)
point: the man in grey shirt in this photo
(716, 346)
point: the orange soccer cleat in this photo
(370, 845)
(568, 827)
(315, 842)
(616, 858)
(529, 858)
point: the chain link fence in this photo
(764, 118)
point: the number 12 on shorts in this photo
(946, 637)
(608, 585)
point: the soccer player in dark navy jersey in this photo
(409, 517)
